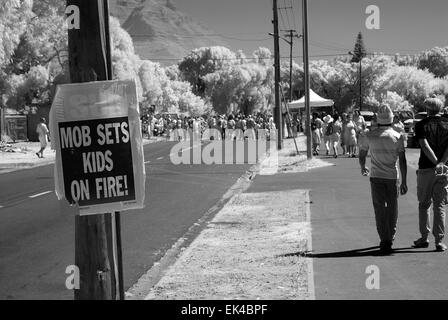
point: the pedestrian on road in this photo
(350, 136)
(327, 119)
(334, 130)
(344, 120)
(43, 133)
(316, 130)
(432, 180)
(361, 128)
(386, 147)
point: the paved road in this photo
(37, 232)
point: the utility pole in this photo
(277, 110)
(360, 79)
(290, 35)
(2, 117)
(360, 83)
(95, 242)
(307, 80)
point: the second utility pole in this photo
(291, 44)
(307, 81)
(277, 110)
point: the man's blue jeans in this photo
(385, 203)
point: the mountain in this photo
(160, 31)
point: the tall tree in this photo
(435, 60)
(359, 51)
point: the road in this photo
(37, 231)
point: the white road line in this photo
(160, 158)
(40, 194)
(183, 150)
(1, 207)
(146, 162)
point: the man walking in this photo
(43, 133)
(386, 147)
(432, 183)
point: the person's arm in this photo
(427, 150)
(404, 172)
(362, 161)
(441, 163)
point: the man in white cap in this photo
(432, 180)
(386, 147)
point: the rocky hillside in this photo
(160, 31)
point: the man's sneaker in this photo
(421, 243)
(441, 247)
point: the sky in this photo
(406, 26)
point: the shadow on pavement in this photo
(364, 252)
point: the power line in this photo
(282, 19)
(285, 8)
(287, 11)
(294, 16)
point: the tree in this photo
(203, 61)
(396, 102)
(359, 52)
(249, 85)
(14, 15)
(413, 84)
(263, 56)
(435, 60)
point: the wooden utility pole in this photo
(360, 83)
(89, 60)
(290, 35)
(277, 110)
(2, 117)
(307, 80)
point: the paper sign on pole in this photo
(95, 129)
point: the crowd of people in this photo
(346, 131)
(165, 124)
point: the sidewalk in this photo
(249, 249)
(22, 155)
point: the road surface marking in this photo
(160, 158)
(146, 162)
(1, 207)
(183, 150)
(40, 194)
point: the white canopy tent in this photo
(315, 101)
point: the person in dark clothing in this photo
(432, 180)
